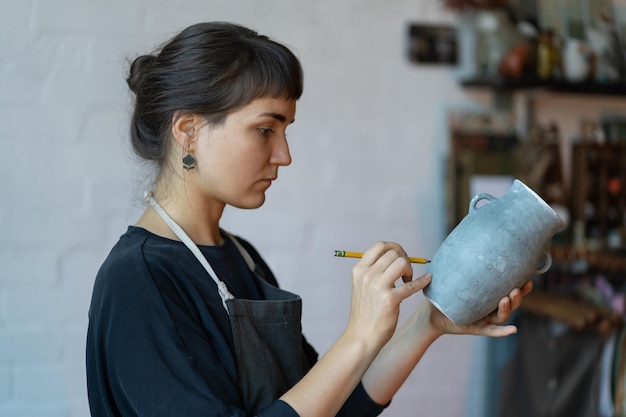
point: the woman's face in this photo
(238, 159)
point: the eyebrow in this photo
(276, 116)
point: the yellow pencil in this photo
(347, 254)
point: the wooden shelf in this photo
(512, 84)
(484, 141)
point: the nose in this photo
(280, 152)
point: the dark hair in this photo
(209, 68)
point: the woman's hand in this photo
(405, 349)
(374, 310)
(490, 325)
(376, 299)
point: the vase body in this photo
(495, 248)
(576, 61)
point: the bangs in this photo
(267, 72)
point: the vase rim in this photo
(519, 183)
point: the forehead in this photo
(281, 109)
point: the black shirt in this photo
(159, 341)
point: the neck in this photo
(197, 217)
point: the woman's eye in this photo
(265, 131)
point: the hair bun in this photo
(138, 71)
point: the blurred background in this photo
(402, 100)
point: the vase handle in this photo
(477, 198)
(547, 263)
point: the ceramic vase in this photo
(576, 61)
(495, 248)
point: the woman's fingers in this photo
(378, 249)
(411, 287)
(527, 287)
(389, 260)
(396, 266)
(510, 303)
(491, 325)
(494, 330)
(503, 312)
(375, 297)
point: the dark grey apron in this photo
(267, 333)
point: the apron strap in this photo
(221, 287)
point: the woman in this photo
(186, 319)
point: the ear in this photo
(184, 127)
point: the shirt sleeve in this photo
(278, 408)
(361, 404)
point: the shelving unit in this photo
(511, 85)
(598, 170)
(547, 372)
(599, 203)
(476, 154)
(584, 254)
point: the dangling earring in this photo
(189, 162)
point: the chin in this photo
(250, 204)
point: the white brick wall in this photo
(368, 148)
